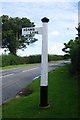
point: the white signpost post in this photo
(44, 62)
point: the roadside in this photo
(15, 66)
(13, 80)
(63, 98)
(24, 65)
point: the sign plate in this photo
(31, 30)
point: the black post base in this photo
(44, 96)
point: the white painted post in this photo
(44, 65)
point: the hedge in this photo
(6, 60)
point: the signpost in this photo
(44, 65)
(31, 30)
(44, 60)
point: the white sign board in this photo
(31, 30)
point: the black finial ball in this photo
(45, 19)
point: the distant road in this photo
(13, 80)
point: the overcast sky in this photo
(63, 18)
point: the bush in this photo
(55, 57)
(16, 60)
(13, 60)
(75, 56)
(72, 48)
(35, 59)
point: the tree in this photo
(11, 33)
(78, 29)
(72, 48)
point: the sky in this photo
(63, 18)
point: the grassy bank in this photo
(63, 98)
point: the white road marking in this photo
(30, 69)
(6, 75)
(36, 77)
(22, 71)
(12, 82)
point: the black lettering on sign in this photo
(24, 29)
(35, 32)
(30, 29)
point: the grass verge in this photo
(23, 65)
(63, 98)
(15, 66)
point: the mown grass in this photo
(15, 66)
(63, 98)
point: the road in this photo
(13, 80)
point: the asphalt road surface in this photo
(13, 80)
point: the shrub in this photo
(72, 48)
(16, 60)
(75, 56)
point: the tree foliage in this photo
(72, 48)
(11, 33)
